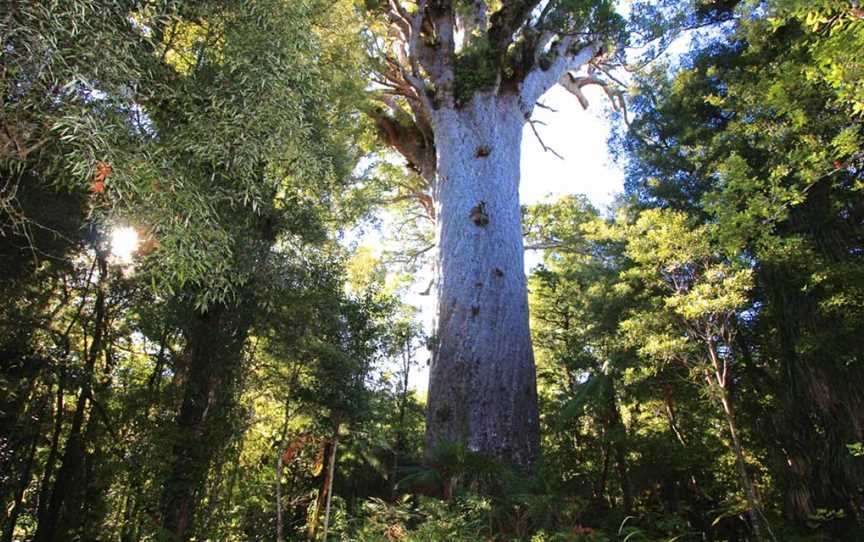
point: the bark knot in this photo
(478, 214)
(443, 413)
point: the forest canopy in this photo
(199, 342)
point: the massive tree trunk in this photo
(482, 385)
(456, 84)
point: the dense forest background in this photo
(243, 375)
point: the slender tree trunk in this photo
(155, 379)
(327, 484)
(23, 482)
(719, 382)
(482, 388)
(68, 476)
(600, 490)
(280, 454)
(86, 514)
(746, 483)
(215, 340)
(53, 451)
(130, 517)
(671, 417)
(280, 532)
(618, 437)
(190, 458)
(15, 437)
(399, 443)
(623, 477)
(332, 470)
(214, 355)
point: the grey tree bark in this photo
(482, 389)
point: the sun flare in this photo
(124, 243)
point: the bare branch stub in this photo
(540, 140)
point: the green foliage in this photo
(475, 68)
(838, 27)
(856, 449)
(199, 111)
(755, 149)
(429, 520)
(724, 290)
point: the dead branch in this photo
(539, 139)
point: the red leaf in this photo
(103, 170)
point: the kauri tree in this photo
(455, 82)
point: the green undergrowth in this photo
(471, 517)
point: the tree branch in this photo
(473, 20)
(505, 22)
(558, 246)
(539, 80)
(540, 140)
(416, 27)
(574, 83)
(406, 137)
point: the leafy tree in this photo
(183, 98)
(576, 309)
(755, 136)
(215, 151)
(698, 294)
